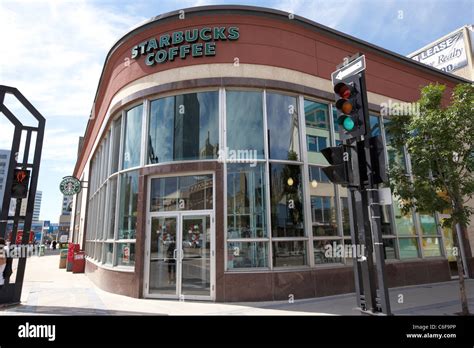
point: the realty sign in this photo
(197, 42)
(447, 55)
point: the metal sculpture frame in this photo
(10, 293)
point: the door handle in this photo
(175, 254)
(182, 254)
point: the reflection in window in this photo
(184, 127)
(247, 255)
(245, 121)
(316, 173)
(286, 200)
(193, 192)
(389, 248)
(316, 115)
(116, 129)
(282, 118)
(374, 126)
(133, 131)
(128, 205)
(289, 253)
(328, 251)
(346, 223)
(109, 251)
(246, 201)
(112, 206)
(323, 213)
(315, 143)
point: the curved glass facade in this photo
(280, 210)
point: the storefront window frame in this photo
(99, 177)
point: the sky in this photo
(54, 51)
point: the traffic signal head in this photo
(350, 106)
(344, 168)
(21, 178)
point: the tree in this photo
(440, 142)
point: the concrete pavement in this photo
(49, 290)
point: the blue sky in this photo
(53, 52)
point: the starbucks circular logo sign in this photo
(70, 186)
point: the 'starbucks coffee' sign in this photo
(180, 44)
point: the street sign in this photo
(351, 69)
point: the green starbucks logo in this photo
(70, 186)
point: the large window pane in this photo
(323, 215)
(112, 206)
(282, 118)
(317, 130)
(428, 225)
(193, 192)
(328, 251)
(109, 251)
(405, 225)
(247, 254)
(408, 248)
(133, 131)
(116, 129)
(286, 200)
(128, 205)
(196, 126)
(431, 247)
(246, 206)
(244, 112)
(160, 134)
(323, 209)
(184, 127)
(289, 253)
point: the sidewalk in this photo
(48, 290)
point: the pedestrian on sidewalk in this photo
(54, 245)
(3, 261)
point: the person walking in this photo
(54, 244)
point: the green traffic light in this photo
(348, 124)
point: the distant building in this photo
(65, 217)
(453, 53)
(36, 208)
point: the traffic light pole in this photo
(360, 171)
(373, 212)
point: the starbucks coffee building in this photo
(203, 162)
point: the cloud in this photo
(53, 52)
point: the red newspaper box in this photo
(79, 263)
(72, 248)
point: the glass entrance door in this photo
(180, 253)
(163, 255)
(195, 255)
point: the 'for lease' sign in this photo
(447, 55)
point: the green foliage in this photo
(440, 141)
